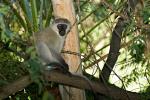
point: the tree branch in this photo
(73, 81)
(115, 42)
(14, 87)
(114, 49)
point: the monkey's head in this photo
(62, 26)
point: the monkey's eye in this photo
(62, 29)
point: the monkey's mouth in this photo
(62, 32)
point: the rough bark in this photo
(73, 81)
(65, 9)
(114, 50)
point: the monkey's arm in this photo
(61, 61)
(44, 52)
(50, 57)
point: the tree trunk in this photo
(65, 9)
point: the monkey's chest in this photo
(57, 45)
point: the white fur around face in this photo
(59, 40)
(55, 29)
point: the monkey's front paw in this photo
(50, 68)
(57, 66)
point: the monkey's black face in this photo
(62, 29)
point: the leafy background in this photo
(19, 19)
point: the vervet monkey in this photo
(50, 41)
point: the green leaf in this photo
(3, 82)
(30, 49)
(6, 33)
(34, 15)
(40, 15)
(49, 16)
(35, 72)
(4, 9)
(27, 14)
(27, 10)
(47, 96)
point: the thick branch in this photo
(115, 43)
(73, 81)
(114, 49)
(14, 87)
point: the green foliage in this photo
(29, 93)
(145, 94)
(10, 67)
(146, 12)
(35, 72)
(47, 96)
(88, 95)
(20, 18)
(137, 49)
(5, 32)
